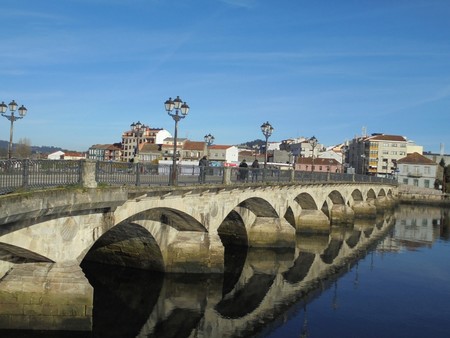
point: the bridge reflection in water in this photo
(258, 286)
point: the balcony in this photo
(415, 174)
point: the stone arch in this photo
(127, 244)
(176, 219)
(306, 201)
(382, 193)
(325, 209)
(232, 230)
(371, 195)
(289, 216)
(259, 206)
(336, 197)
(357, 196)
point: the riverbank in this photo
(413, 195)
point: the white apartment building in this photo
(417, 170)
(377, 154)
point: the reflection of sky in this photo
(384, 295)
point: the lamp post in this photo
(267, 131)
(178, 110)
(11, 117)
(137, 127)
(344, 157)
(209, 139)
(313, 143)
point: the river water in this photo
(387, 277)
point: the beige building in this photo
(377, 154)
(133, 140)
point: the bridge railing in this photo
(34, 174)
(29, 174)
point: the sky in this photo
(87, 69)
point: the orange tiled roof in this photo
(383, 137)
(415, 158)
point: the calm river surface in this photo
(388, 277)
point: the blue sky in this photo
(87, 69)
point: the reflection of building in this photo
(415, 227)
(417, 170)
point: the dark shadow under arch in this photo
(176, 219)
(14, 254)
(300, 268)
(246, 299)
(127, 244)
(306, 201)
(260, 207)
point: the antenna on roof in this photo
(364, 131)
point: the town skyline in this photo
(328, 69)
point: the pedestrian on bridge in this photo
(255, 170)
(243, 170)
(203, 164)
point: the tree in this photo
(23, 148)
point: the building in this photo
(223, 154)
(376, 154)
(328, 165)
(149, 152)
(193, 150)
(167, 148)
(66, 155)
(105, 152)
(417, 170)
(133, 139)
(57, 155)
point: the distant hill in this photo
(34, 149)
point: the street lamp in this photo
(313, 143)
(267, 130)
(12, 108)
(138, 128)
(178, 110)
(209, 139)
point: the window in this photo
(426, 183)
(416, 182)
(426, 170)
(405, 181)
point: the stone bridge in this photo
(170, 229)
(176, 229)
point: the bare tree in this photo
(23, 148)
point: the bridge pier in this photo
(364, 210)
(342, 214)
(194, 252)
(271, 232)
(312, 221)
(46, 296)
